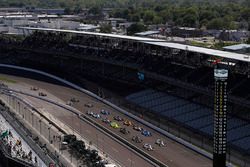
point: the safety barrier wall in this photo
(117, 138)
(179, 140)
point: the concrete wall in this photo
(39, 126)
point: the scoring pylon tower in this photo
(220, 118)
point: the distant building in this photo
(234, 35)
(186, 32)
(9, 21)
(147, 33)
(33, 10)
(87, 27)
(46, 11)
(240, 48)
(213, 33)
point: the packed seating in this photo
(192, 115)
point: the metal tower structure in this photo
(220, 117)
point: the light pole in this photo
(32, 118)
(97, 140)
(72, 122)
(103, 145)
(12, 102)
(27, 116)
(50, 141)
(131, 163)
(9, 99)
(40, 120)
(80, 125)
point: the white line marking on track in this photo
(115, 149)
(88, 131)
(131, 161)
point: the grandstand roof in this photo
(141, 39)
(146, 33)
(157, 42)
(237, 47)
(207, 51)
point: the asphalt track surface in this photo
(173, 155)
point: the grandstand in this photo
(192, 115)
(178, 84)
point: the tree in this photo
(190, 17)
(246, 3)
(67, 10)
(166, 15)
(148, 16)
(137, 27)
(245, 14)
(189, 20)
(95, 10)
(106, 28)
(134, 17)
(77, 10)
(157, 20)
(248, 41)
(207, 14)
(215, 24)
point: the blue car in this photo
(146, 133)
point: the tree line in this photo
(208, 14)
(198, 15)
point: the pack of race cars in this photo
(117, 120)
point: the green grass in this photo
(200, 44)
(220, 45)
(7, 80)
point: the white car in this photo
(96, 115)
(69, 103)
(148, 147)
(89, 113)
(160, 142)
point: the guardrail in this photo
(116, 137)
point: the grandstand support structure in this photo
(220, 118)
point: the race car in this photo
(74, 100)
(148, 147)
(118, 118)
(69, 103)
(95, 115)
(42, 94)
(127, 122)
(136, 139)
(89, 105)
(114, 125)
(137, 128)
(160, 142)
(124, 131)
(106, 120)
(34, 88)
(89, 113)
(104, 112)
(146, 133)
